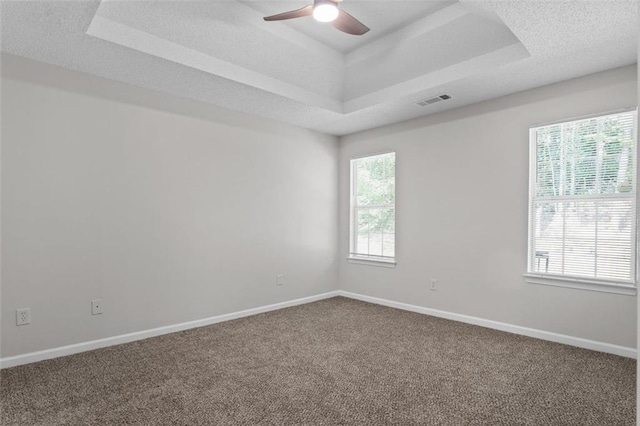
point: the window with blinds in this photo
(373, 194)
(583, 200)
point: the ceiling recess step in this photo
(430, 101)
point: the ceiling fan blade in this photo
(348, 24)
(299, 13)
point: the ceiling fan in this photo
(325, 11)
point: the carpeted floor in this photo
(333, 362)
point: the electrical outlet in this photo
(434, 284)
(96, 306)
(279, 279)
(23, 316)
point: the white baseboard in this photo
(515, 329)
(145, 334)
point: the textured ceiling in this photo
(309, 74)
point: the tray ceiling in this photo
(309, 74)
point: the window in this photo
(582, 217)
(373, 193)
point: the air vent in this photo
(430, 101)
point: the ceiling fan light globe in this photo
(325, 12)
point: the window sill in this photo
(372, 261)
(581, 284)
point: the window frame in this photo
(388, 262)
(570, 281)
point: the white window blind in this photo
(373, 207)
(583, 199)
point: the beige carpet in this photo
(333, 362)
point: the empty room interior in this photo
(319, 212)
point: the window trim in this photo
(584, 117)
(361, 259)
(371, 261)
(580, 283)
(576, 282)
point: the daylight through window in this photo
(373, 182)
(582, 200)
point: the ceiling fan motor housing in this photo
(325, 10)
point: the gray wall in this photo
(462, 188)
(172, 210)
(169, 210)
